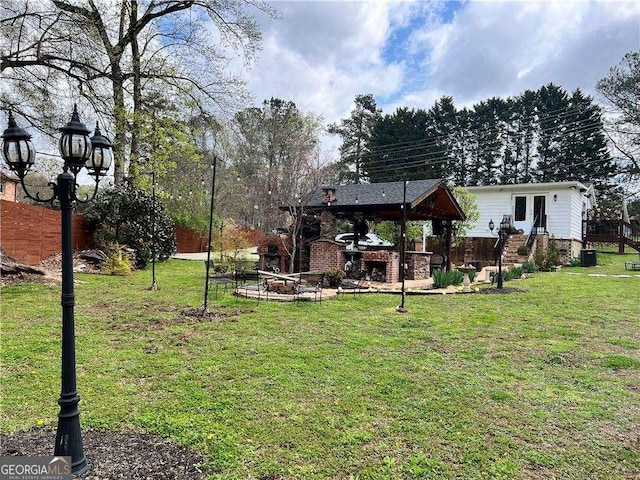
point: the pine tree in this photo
(486, 144)
(585, 153)
(355, 132)
(443, 124)
(524, 107)
(552, 106)
(398, 147)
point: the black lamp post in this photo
(154, 282)
(403, 247)
(78, 151)
(503, 233)
(213, 196)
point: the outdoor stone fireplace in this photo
(381, 265)
(273, 254)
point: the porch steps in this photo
(632, 243)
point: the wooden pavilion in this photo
(394, 201)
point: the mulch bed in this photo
(130, 456)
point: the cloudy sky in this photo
(321, 54)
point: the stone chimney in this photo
(328, 195)
(328, 225)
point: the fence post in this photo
(620, 237)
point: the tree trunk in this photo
(10, 266)
(120, 125)
(137, 93)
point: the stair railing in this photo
(630, 234)
(532, 235)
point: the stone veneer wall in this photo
(418, 265)
(567, 248)
(328, 225)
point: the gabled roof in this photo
(425, 199)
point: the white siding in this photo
(564, 206)
(577, 198)
(492, 206)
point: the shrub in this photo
(334, 277)
(529, 267)
(514, 272)
(126, 215)
(553, 254)
(442, 279)
(546, 260)
(117, 263)
(539, 258)
(575, 262)
(231, 245)
(523, 250)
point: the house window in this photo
(521, 209)
(1, 187)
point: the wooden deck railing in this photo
(611, 231)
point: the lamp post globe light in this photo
(78, 151)
(503, 233)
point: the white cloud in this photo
(504, 48)
(321, 54)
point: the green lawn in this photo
(542, 383)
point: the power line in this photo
(497, 127)
(477, 150)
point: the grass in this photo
(544, 383)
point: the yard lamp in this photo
(214, 162)
(503, 233)
(78, 151)
(403, 247)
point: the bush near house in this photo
(546, 259)
(442, 279)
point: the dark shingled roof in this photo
(387, 193)
(384, 199)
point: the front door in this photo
(540, 213)
(530, 211)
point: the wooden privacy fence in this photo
(31, 234)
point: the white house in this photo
(555, 208)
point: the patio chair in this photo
(314, 288)
(632, 265)
(251, 281)
(437, 262)
(219, 279)
(355, 287)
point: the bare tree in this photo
(621, 90)
(119, 55)
(310, 174)
(276, 164)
